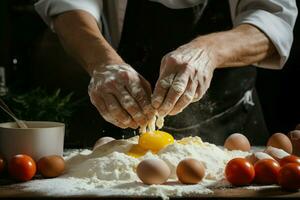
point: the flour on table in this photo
(109, 171)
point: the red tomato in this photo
(289, 159)
(239, 172)
(289, 176)
(266, 171)
(2, 164)
(22, 167)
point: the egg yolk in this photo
(155, 141)
(150, 141)
(136, 151)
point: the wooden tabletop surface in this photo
(238, 193)
(9, 190)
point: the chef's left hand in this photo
(185, 76)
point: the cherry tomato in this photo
(239, 172)
(289, 176)
(22, 167)
(289, 159)
(2, 164)
(266, 171)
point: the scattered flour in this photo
(109, 171)
(166, 83)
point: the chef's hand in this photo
(185, 75)
(121, 95)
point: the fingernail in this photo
(156, 102)
(162, 113)
(138, 115)
(148, 109)
(140, 118)
(172, 113)
(127, 121)
(134, 127)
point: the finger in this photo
(176, 90)
(150, 111)
(198, 93)
(131, 106)
(138, 92)
(186, 98)
(116, 111)
(99, 103)
(161, 90)
(146, 85)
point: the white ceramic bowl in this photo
(38, 140)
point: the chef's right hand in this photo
(121, 95)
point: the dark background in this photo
(33, 57)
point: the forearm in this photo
(241, 46)
(82, 39)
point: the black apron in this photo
(151, 30)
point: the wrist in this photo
(215, 45)
(98, 65)
(99, 54)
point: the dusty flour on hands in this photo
(108, 171)
(156, 121)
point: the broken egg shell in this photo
(237, 141)
(102, 141)
(276, 153)
(254, 157)
(153, 171)
(280, 141)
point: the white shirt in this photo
(276, 18)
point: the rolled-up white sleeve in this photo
(276, 18)
(49, 8)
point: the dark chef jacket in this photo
(151, 29)
(230, 105)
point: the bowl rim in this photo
(52, 124)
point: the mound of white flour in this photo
(108, 171)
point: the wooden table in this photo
(229, 193)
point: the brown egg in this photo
(276, 153)
(237, 141)
(102, 141)
(297, 127)
(153, 171)
(254, 157)
(51, 166)
(190, 171)
(281, 141)
(295, 139)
